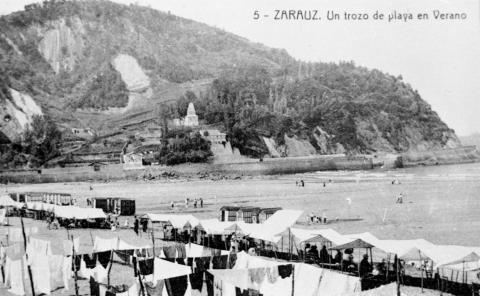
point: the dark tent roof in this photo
(356, 244)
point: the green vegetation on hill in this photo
(256, 91)
(40, 143)
(106, 89)
(166, 46)
(184, 146)
(365, 110)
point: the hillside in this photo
(103, 65)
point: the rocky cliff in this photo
(103, 65)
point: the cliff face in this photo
(61, 44)
(97, 63)
(103, 65)
(16, 113)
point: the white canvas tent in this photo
(216, 227)
(118, 244)
(177, 221)
(7, 201)
(73, 212)
(299, 237)
(273, 226)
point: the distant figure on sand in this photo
(400, 198)
(201, 202)
(302, 183)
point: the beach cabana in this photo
(356, 244)
(299, 237)
(328, 236)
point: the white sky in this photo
(441, 59)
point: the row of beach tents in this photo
(64, 212)
(279, 231)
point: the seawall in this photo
(274, 166)
(464, 154)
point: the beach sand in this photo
(443, 210)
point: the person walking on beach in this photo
(400, 198)
(201, 202)
(136, 225)
(195, 203)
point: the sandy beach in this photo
(438, 206)
(440, 203)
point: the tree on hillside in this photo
(165, 113)
(183, 146)
(41, 140)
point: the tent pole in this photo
(439, 285)
(137, 272)
(359, 260)
(153, 240)
(421, 268)
(110, 268)
(26, 255)
(341, 260)
(289, 244)
(91, 236)
(74, 267)
(388, 267)
(397, 271)
(371, 257)
(296, 248)
(293, 280)
(282, 244)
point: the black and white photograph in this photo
(239, 147)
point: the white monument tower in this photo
(191, 119)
